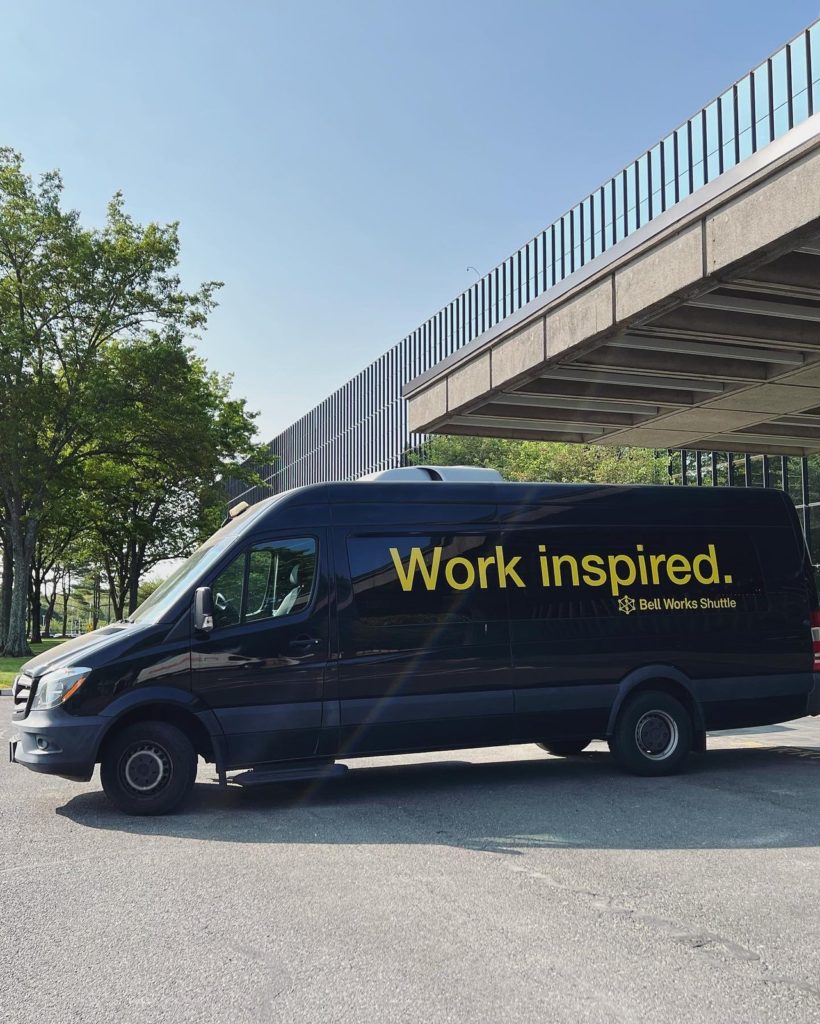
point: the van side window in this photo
(425, 580)
(270, 581)
(595, 574)
(227, 593)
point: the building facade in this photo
(362, 427)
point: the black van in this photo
(389, 616)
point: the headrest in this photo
(294, 575)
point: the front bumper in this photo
(55, 743)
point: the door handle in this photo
(303, 644)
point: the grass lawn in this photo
(9, 667)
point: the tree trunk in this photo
(116, 589)
(35, 604)
(95, 599)
(135, 567)
(133, 593)
(5, 597)
(23, 538)
(52, 601)
(65, 592)
(118, 603)
(35, 597)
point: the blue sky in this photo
(340, 164)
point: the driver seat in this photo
(289, 600)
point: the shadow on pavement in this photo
(743, 798)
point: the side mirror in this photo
(203, 610)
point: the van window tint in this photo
(227, 593)
(612, 572)
(425, 580)
(271, 580)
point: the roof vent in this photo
(449, 474)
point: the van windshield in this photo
(157, 605)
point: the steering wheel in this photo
(226, 613)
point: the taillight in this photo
(815, 639)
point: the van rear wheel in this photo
(564, 748)
(148, 768)
(653, 734)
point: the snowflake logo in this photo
(626, 605)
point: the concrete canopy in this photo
(700, 330)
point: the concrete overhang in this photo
(699, 330)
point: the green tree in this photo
(7, 579)
(147, 588)
(185, 435)
(63, 524)
(66, 292)
(553, 461)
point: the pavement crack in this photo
(697, 938)
(693, 937)
(793, 983)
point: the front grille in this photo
(21, 691)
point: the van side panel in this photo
(724, 602)
(424, 647)
(727, 608)
(778, 636)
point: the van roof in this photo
(590, 501)
(449, 491)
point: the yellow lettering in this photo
(416, 561)
(557, 562)
(678, 570)
(483, 564)
(615, 580)
(468, 580)
(642, 565)
(594, 571)
(709, 559)
(507, 569)
(619, 571)
(655, 561)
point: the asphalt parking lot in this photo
(492, 885)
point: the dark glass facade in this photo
(799, 477)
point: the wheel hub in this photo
(656, 734)
(146, 768)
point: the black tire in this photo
(653, 734)
(148, 768)
(564, 748)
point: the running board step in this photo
(296, 773)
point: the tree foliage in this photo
(549, 461)
(100, 395)
(182, 437)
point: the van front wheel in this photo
(148, 768)
(653, 734)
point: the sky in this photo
(339, 165)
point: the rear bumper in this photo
(55, 743)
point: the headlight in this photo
(55, 687)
